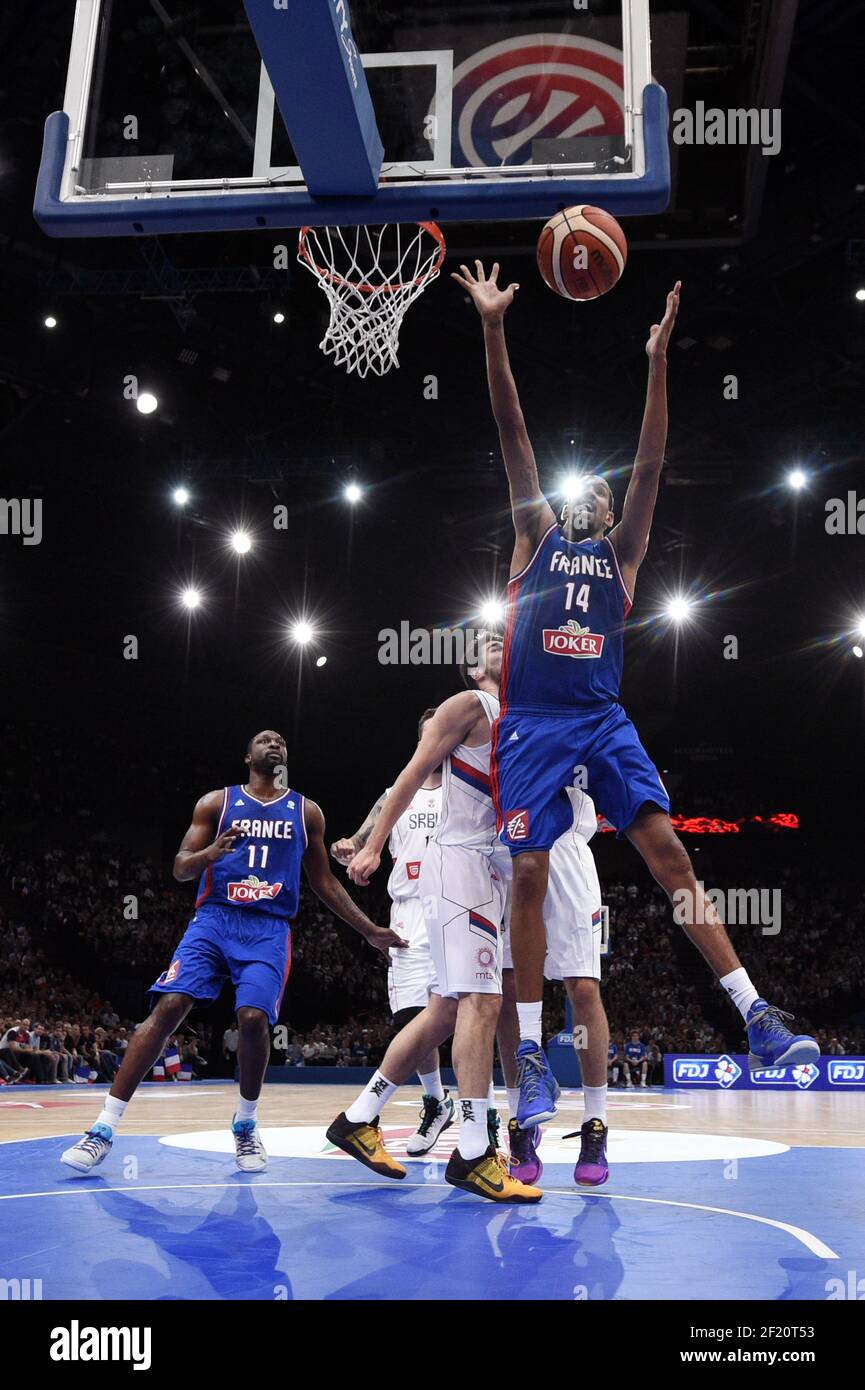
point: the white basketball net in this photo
(370, 276)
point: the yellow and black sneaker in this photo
(364, 1142)
(488, 1177)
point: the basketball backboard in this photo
(474, 111)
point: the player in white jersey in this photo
(572, 923)
(464, 895)
(411, 973)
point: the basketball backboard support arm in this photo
(140, 197)
(311, 58)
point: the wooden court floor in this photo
(794, 1118)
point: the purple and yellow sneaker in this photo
(592, 1168)
(523, 1162)
(539, 1089)
(772, 1043)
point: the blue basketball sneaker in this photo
(539, 1089)
(772, 1043)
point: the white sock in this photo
(741, 991)
(474, 1139)
(432, 1083)
(595, 1098)
(112, 1113)
(246, 1109)
(371, 1100)
(513, 1101)
(529, 1018)
(491, 1098)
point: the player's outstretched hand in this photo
(363, 865)
(490, 302)
(223, 844)
(383, 939)
(343, 851)
(659, 333)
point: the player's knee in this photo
(670, 863)
(483, 1006)
(582, 992)
(531, 873)
(252, 1022)
(170, 1008)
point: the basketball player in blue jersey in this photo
(570, 591)
(246, 845)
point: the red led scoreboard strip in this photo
(712, 825)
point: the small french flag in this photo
(185, 1072)
(171, 1060)
(158, 1071)
(84, 1074)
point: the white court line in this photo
(811, 1242)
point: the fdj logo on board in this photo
(709, 1071)
(803, 1076)
(844, 1073)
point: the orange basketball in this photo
(582, 252)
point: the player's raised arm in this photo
(331, 892)
(343, 851)
(631, 536)
(198, 848)
(531, 511)
(441, 734)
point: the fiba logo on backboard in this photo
(534, 87)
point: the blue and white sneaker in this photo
(539, 1089)
(90, 1150)
(250, 1152)
(772, 1043)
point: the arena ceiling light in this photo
(180, 496)
(279, 316)
(352, 493)
(50, 321)
(860, 295)
(797, 479)
(679, 609)
(191, 598)
(241, 543)
(146, 403)
(302, 632)
(321, 661)
(571, 486)
(492, 610)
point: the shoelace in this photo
(530, 1074)
(519, 1142)
(91, 1144)
(776, 1016)
(429, 1114)
(592, 1144)
(247, 1142)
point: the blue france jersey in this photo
(261, 875)
(563, 635)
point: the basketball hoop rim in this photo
(364, 287)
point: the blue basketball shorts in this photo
(536, 756)
(224, 943)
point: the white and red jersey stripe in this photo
(468, 816)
